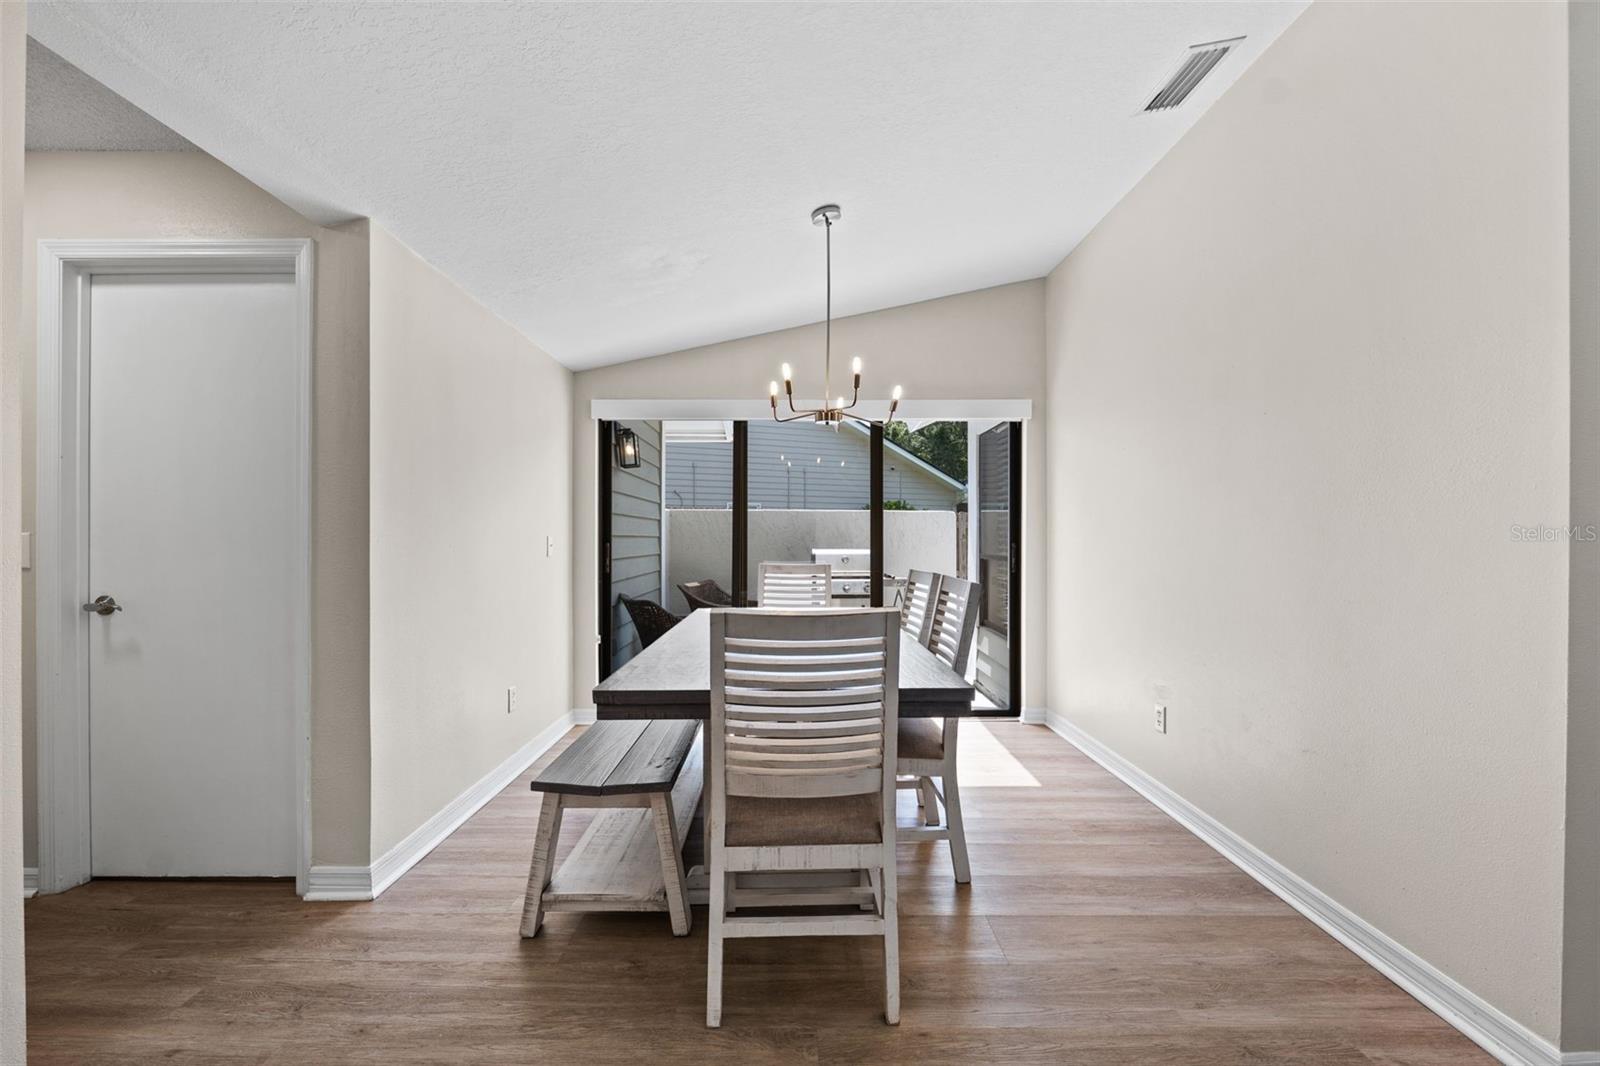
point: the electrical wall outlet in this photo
(1161, 718)
(549, 546)
(511, 699)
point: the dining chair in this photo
(914, 599)
(795, 586)
(799, 777)
(915, 618)
(705, 593)
(650, 620)
(926, 748)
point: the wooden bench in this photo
(646, 775)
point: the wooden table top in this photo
(672, 679)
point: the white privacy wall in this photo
(470, 469)
(1305, 381)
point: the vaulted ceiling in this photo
(68, 111)
(621, 180)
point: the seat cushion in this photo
(920, 738)
(759, 821)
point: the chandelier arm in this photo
(794, 417)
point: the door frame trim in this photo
(61, 522)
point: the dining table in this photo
(672, 679)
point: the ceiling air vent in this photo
(1197, 63)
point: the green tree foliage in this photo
(942, 445)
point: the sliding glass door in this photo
(634, 527)
(690, 509)
(809, 500)
(997, 563)
(698, 552)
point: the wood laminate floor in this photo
(1095, 931)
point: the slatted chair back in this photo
(953, 612)
(795, 586)
(705, 593)
(804, 704)
(914, 599)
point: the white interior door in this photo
(192, 480)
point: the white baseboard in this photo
(344, 883)
(1500, 1035)
(329, 884)
(30, 882)
(1034, 716)
(583, 716)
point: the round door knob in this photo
(103, 605)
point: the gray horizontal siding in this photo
(701, 475)
(635, 537)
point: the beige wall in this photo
(1303, 381)
(1580, 1028)
(471, 428)
(13, 1019)
(187, 194)
(984, 345)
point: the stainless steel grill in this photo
(852, 570)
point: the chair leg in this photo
(958, 832)
(891, 939)
(714, 917)
(928, 801)
(544, 856)
(671, 863)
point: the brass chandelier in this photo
(828, 415)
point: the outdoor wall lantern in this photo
(627, 448)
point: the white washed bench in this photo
(646, 777)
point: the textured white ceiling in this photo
(620, 180)
(71, 112)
